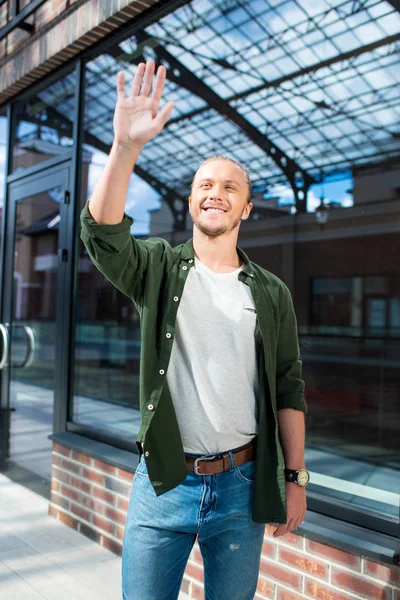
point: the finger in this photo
(291, 524)
(276, 532)
(281, 530)
(163, 115)
(137, 81)
(299, 521)
(159, 85)
(148, 78)
(294, 525)
(288, 526)
(121, 85)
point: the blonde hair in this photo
(219, 157)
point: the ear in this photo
(247, 210)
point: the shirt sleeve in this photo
(116, 253)
(289, 384)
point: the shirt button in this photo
(176, 298)
(150, 407)
(146, 453)
(161, 371)
(184, 268)
(191, 260)
(168, 335)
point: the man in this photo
(221, 394)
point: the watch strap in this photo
(291, 475)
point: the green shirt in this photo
(153, 275)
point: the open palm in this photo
(136, 117)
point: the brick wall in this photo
(92, 497)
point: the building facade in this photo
(305, 96)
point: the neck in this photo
(218, 253)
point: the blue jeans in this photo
(160, 532)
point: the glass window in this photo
(336, 247)
(107, 344)
(44, 124)
(3, 149)
(350, 355)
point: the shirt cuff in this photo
(295, 400)
(93, 228)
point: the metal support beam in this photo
(395, 4)
(299, 179)
(275, 83)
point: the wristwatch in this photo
(301, 477)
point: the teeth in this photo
(214, 210)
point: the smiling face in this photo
(219, 184)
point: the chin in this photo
(210, 231)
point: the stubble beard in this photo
(215, 231)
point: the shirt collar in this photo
(187, 253)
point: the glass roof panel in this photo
(262, 59)
(272, 22)
(347, 41)
(334, 28)
(390, 24)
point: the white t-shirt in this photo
(213, 369)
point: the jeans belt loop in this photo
(226, 462)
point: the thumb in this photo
(163, 115)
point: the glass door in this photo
(31, 330)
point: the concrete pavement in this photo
(43, 558)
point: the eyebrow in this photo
(226, 180)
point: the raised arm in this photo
(136, 122)
(105, 226)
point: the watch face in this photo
(303, 477)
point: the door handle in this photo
(30, 334)
(4, 335)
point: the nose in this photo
(216, 190)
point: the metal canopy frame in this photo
(299, 179)
(296, 91)
(315, 131)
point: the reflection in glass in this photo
(33, 330)
(3, 146)
(44, 124)
(107, 340)
(339, 125)
(350, 351)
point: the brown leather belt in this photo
(221, 462)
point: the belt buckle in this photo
(196, 463)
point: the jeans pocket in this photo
(246, 472)
(141, 469)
